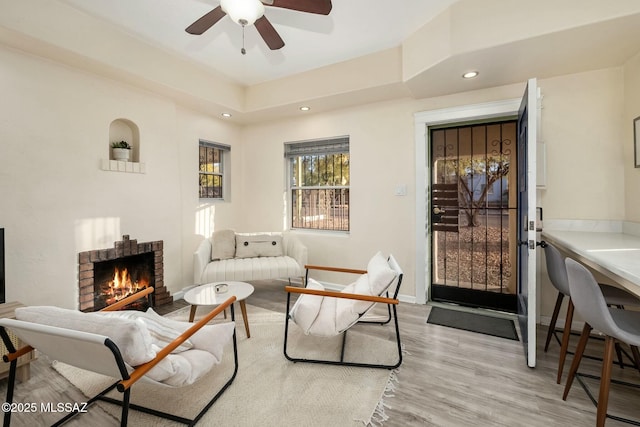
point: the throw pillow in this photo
(380, 274)
(257, 245)
(223, 245)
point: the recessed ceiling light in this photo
(470, 74)
(305, 108)
(226, 115)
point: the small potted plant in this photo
(121, 150)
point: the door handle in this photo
(438, 211)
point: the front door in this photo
(527, 125)
(474, 202)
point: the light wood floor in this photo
(448, 378)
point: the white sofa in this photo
(227, 255)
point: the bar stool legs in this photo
(566, 334)
(554, 319)
(605, 381)
(584, 337)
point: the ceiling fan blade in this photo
(206, 22)
(268, 33)
(321, 7)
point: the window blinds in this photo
(210, 144)
(317, 146)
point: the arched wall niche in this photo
(125, 130)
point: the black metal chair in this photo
(98, 353)
(316, 294)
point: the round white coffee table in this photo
(206, 295)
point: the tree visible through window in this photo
(319, 184)
(211, 170)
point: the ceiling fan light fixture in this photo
(243, 12)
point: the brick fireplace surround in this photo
(122, 248)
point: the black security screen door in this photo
(473, 215)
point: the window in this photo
(319, 183)
(212, 175)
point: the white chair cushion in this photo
(129, 331)
(210, 338)
(306, 309)
(380, 274)
(161, 333)
(184, 368)
(130, 335)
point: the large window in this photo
(319, 183)
(211, 176)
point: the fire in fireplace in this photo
(119, 278)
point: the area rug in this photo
(268, 390)
(473, 322)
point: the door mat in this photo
(495, 326)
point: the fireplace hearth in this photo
(109, 275)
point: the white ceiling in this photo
(403, 51)
(353, 28)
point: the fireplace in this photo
(109, 275)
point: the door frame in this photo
(423, 121)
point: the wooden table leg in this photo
(192, 313)
(243, 308)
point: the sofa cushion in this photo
(223, 244)
(258, 245)
(248, 269)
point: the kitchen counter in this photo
(616, 255)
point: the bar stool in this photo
(616, 324)
(558, 275)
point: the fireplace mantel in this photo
(123, 248)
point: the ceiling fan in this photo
(247, 12)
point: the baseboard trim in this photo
(576, 326)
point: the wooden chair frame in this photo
(392, 315)
(127, 379)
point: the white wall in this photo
(55, 200)
(631, 111)
(582, 129)
(381, 148)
